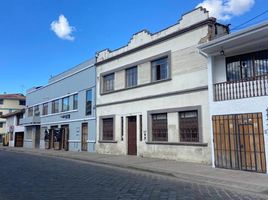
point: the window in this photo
(89, 102)
(19, 117)
(140, 127)
(1, 101)
(1, 124)
(108, 83)
(159, 127)
(122, 128)
(22, 102)
(1, 113)
(188, 123)
(55, 106)
(131, 76)
(247, 66)
(108, 129)
(36, 111)
(30, 112)
(65, 106)
(45, 108)
(75, 101)
(160, 69)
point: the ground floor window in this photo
(159, 127)
(188, 123)
(108, 129)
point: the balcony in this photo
(34, 120)
(246, 88)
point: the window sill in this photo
(107, 141)
(136, 86)
(180, 143)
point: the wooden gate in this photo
(19, 139)
(84, 136)
(132, 136)
(239, 142)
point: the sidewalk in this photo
(198, 173)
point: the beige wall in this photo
(7, 105)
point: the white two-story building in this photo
(238, 98)
(152, 94)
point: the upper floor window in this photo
(1, 101)
(75, 101)
(65, 106)
(160, 70)
(22, 102)
(55, 106)
(30, 112)
(247, 66)
(36, 111)
(131, 76)
(45, 108)
(159, 127)
(1, 124)
(89, 102)
(188, 123)
(1, 113)
(108, 82)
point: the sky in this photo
(39, 39)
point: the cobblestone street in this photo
(25, 176)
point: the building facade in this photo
(15, 132)
(9, 103)
(238, 98)
(61, 114)
(152, 94)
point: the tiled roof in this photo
(12, 96)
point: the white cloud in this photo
(226, 9)
(62, 28)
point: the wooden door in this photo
(239, 142)
(84, 138)
(65, 137)
(19, 139)
(132, 135)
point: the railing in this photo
(250, 87)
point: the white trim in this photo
(92, 65)
(78, 141)
(28, 140)
(60, 97)
(91, 141)
(59, 113)
(73, 120)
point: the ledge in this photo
(137, 86)
(180, 143)
(107, 141)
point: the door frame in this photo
(82, 134)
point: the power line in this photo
(266, 11)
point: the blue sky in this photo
(30, 52)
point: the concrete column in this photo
(173, 127)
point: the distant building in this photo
(238, 98)
(15, 132)
(61, 114)
(8, 104)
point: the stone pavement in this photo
(191, 172)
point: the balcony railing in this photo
(250, 87)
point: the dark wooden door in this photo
(19, 139)
(84, 136)
(65, 137)
(132, 135)
(239, 142)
